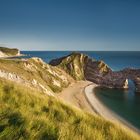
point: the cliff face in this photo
(83, 67)
(6, 52)
(80, 66)
(73, 64)
(63, 71)
(134, 75)
(137, 83)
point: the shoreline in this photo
(104, 111)
(74, 95)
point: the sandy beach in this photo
(74, 95)
(81, 95)
(104, 111)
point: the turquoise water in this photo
(125, 103)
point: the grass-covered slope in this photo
(9, 52)
(36, 73)
(26, 114)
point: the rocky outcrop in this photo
(112, 79)
(137, 83)
(72, 64)
(30, 83)
(97, 71)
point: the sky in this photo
(88, 25)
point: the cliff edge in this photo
(82, 67)
(8, 52)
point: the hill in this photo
(5, 52)
(30, 109)
(35, 73)
(28, 114)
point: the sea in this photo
(126, 103)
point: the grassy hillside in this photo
(36, 73)
(28, 114)
(8, 51)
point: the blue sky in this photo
(70, 24)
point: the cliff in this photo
(82, 67)
(77, 65)
(27, 113)
(73, 64)
(59, 73)
(7, 52)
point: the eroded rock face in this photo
(35, 73)
(73, 64)
(108, 78)
(30, 83)
(97, 71)
(137, 84)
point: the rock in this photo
(72, 64)
(82, 67)
(125, 84)
(137, 84)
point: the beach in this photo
(74, 95)
(105, 112)
(81, 95)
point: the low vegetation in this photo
(28, 114)
(34, 69)
(8, 51)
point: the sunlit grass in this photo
(28, 114)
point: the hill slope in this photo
(4, 52)
(35, 73)
(28, 114)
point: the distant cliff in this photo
(8, 52)
(82, 67)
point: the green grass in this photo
(26, 114)
(41, 72)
